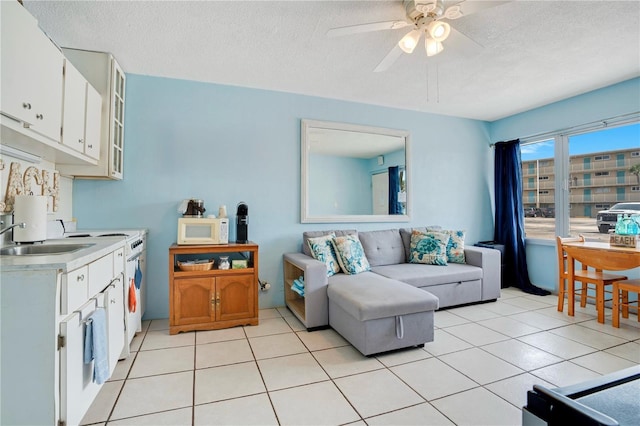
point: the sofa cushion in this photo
(383, 247)
(427, 275)
(429, 248)
(405, 234)
(350, 254)
(322, 250)
(312, 234)
(455, 246)
(369, 296)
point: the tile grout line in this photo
(579, 323)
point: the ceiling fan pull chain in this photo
(437, 85)
(427, 82)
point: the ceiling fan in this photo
(428, 17)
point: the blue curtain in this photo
(509, 226)
(394, 188)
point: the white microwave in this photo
(193, 230)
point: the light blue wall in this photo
(228, 144)
(395, 158)
(616, 100)
(341, 185)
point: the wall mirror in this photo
(353, 173)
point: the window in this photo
(583, 180)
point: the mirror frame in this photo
(305, 214)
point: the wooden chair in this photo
(585, 276)
(621, 291)
(563, 274)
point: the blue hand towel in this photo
(95, 345)
(88, 342)
(138, 275)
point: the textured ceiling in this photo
(533, 52)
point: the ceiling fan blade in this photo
(390, 59)
(365, 28)
(470, 7)
(461, 44)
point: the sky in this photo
(623, 137)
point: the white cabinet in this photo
(77, 388)
(103, 72)
(74, 289)
(44, 313)
(82, 106)
(75, 93)
(114, 304)
(31, 73)
(92, 123)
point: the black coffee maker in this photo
(242, 223)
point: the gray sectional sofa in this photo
(391, 306)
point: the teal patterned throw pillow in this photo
(429, 248)
(350, 254)
(322, 250)
(455, 247)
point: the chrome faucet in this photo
(19, 225)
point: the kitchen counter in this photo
(49, 298)
(63, 261)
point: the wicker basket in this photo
(195, 266)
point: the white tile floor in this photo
(477, 371)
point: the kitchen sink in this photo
(45, 249)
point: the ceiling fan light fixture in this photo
(409, 41)
(432, 47)
(439, 31)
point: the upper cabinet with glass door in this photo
(103, 72)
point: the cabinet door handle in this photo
(26, 105)
(80, 277)
(113, 301)
(218, 298)
(89, 146)
(80, 141)
(39, 116)
(213, 301)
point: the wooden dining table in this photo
(598, 255)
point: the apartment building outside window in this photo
(567, 179)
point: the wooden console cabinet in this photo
(215, 298)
